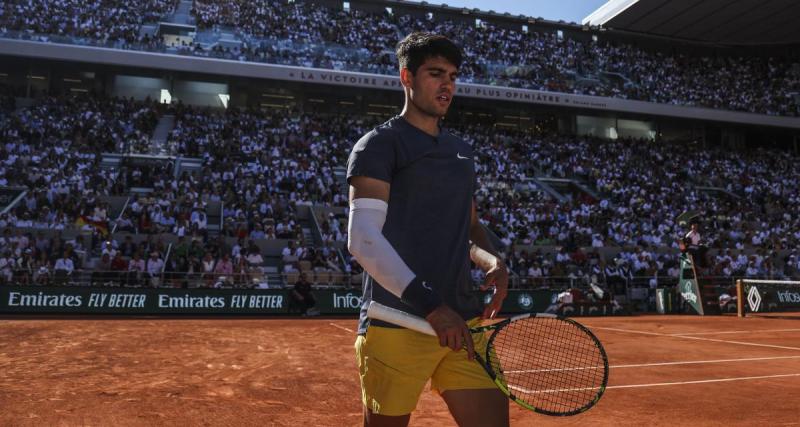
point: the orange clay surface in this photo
(106, 371)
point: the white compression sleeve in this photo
(368, 245)
(366, 242)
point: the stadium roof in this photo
(728, 22)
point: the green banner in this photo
(349, 301)
(141, 301)
(523, 301)
(79, 300)
(338, 301)
(687, 285)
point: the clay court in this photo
(665, 370)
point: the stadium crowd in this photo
(260, 166)
(305, 34)
(95, 19)
(55, 149)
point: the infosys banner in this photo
(762, 298)
(517, 301)
(141, 301)
(339, 301)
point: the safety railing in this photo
(636, 288)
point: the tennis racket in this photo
(546, 363)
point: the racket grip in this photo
(400, 318)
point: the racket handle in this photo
(400, 318)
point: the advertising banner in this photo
(688, 288)
(764, 298)
(338, 301)
(17, 299)
(79, 300)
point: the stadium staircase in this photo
(340, 174)
(544, 185)
(183, 13)
(306, 221)
(214, 217)
(567, 188)
(586, 189)
(158, 141)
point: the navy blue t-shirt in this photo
(432, 183)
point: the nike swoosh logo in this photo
(459, 156)
(426, 286)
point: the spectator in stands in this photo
(127, 248)
(236, 250)
(63, 268)
(136, 270)
(42, 271)
(254, 258)
(332, 262)
(119, 266)
(224, 266)
(241, 276)
(290, 253)
(7, 265)
(109, 247)
(102, 272)
(208, 265)
(23, 274)
(181, 248)
(155, 266)
(124, 223)
(302, 298)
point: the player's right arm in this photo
(369, 202)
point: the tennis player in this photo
(414, 228)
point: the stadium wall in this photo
(212, 66)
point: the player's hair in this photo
(417, 47)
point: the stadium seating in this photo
(305, 34)
(283, 169)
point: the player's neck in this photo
(425, 122)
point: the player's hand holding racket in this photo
(451, 330)
(546, 363)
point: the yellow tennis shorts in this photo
(395, 364)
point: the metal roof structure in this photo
(726, 22)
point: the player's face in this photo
(433, 86)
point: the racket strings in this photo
(550, 364)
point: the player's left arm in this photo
(487, 259)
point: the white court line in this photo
(631, 331)
(718, 380)
(644, 365)
(698, 338)
(342, 327)
(697, 362)
(739, 332)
